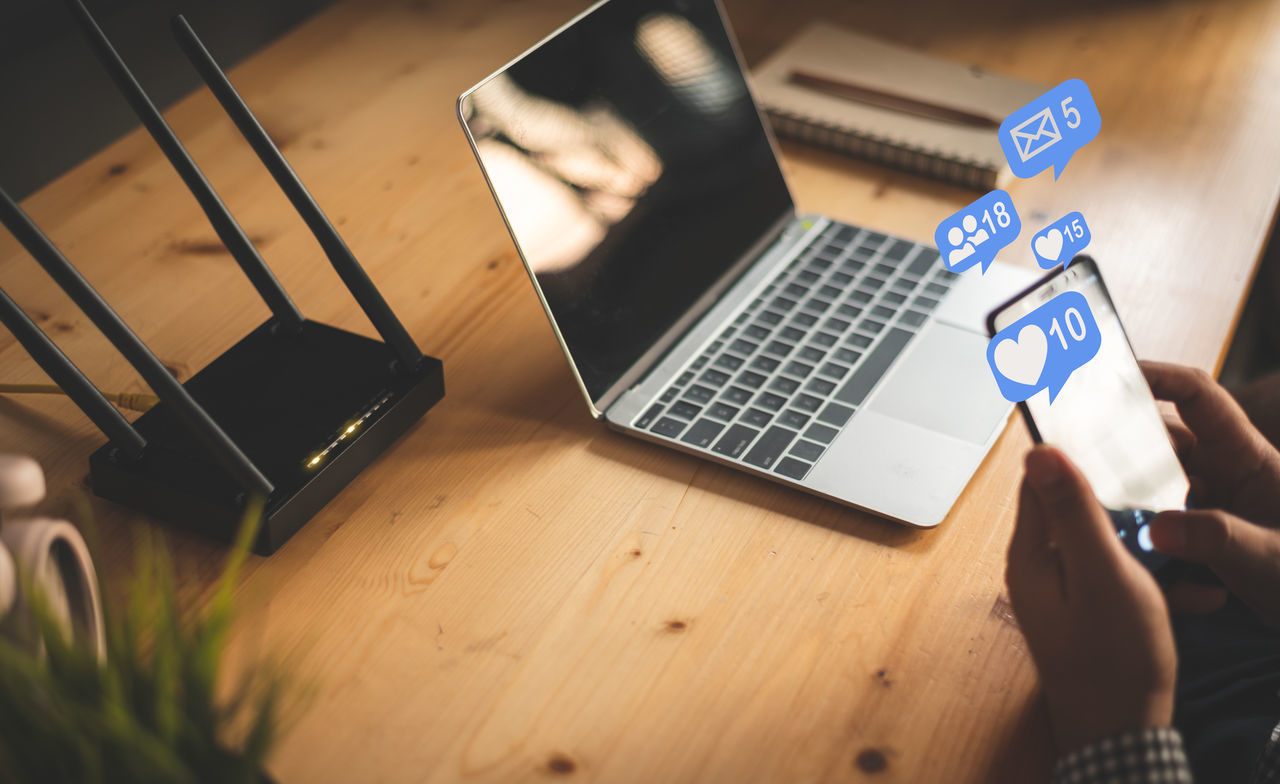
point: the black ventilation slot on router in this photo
(292, 412)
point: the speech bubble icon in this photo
(1043, 348)
(1060, 241)
(976, 233)
(1050, 129)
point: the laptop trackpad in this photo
(944, 385)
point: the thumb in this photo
(1079, 525)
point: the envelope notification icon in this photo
(1036, 134)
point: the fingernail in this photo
(1044, 468)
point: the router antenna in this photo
(70, 378)
(344, 262)
(185, 408)
(232, 236)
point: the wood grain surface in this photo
(513, 592)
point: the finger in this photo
(1081, 528)
(1033, 571)
(1204, 406)
(1243, 555)
(1031, 546)
(1183, 439)
(1227, 544)
(1195, 599)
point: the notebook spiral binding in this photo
(880, 150)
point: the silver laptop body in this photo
(696, 307)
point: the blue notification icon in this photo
(1043, 348)
(1060, 241)
(976, 233)
(1050, 129)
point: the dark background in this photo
(57, 106)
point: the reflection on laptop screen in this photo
(633, 170)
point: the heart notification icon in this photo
(1043, 348)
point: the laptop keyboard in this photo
(775, 387)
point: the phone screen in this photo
(1105, 418)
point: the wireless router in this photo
(292, 412)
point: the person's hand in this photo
(1094, 618)
(1231, 465)
(1235, 469)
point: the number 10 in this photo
(1076, 329)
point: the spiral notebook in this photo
(891, 105)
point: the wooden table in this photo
(515, 592)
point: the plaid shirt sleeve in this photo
(1268, 770)
(1149, 756)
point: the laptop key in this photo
(846, 355)
(703, 432)
(820, 385)
(858, 341)
(873, 367)
(913, 319)
(699, 393)
(849, 311)
(669, 395)
(735, 440)
(766, 364)
(756, 331)
(685, 410)
(728, 362)
(905, 284)
(736, 395)
(921, 263)
(883, 312)
(835, 414)
(869, 325)
(754, 416)
(771, 401)
(832, 370)
(807, 403)
(893, 297)
(924, 303)
(723, 411)
(668, 427)
(751, 380)
(805, 319)
(772, 445)
(799, 369)
(899, 250)
(825, 339)
(821, 433)
(792, 468)
(794, 419)
(647, 418)
(743, 347)
(807, 450)
(811, 354)
(769, 317)
(714, 377)
(936, 289)
(792, 334)
(778, 348)
(685, 378)
(784, 385)
(883, 270)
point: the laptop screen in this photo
(633, 171)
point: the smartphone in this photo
(1105, 418)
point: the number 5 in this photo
(1069, 113)
(1079, 230)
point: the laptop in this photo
(696, 306)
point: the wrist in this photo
(1079, 726)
